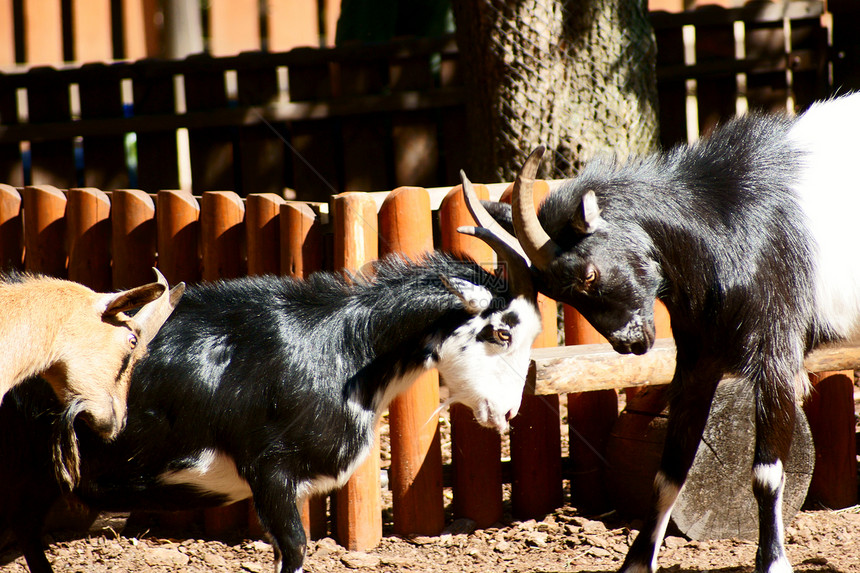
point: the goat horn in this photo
(152, 315)
(519, 276)
(485, 220)
(535, 241)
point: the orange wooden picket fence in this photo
(112, 239)
(314, 122)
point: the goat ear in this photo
(587, 219)
(474, 297)
(113, 304)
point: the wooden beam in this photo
(589, 367)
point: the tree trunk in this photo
(575, 75)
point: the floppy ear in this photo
(587, 219)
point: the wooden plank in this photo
(88, 229)
(301, 240)
(476, 451)
(234, 26)
(261, 149)
(212, 156)
(43, 32)
(359, 507)
(178, 236)
(263, 234)
(157, 156)
(48, 100)
(11, 229)
(592, 367)
(92, 36)
(415, 479)
(11, 163)
(716, 95)
(830, 412)
(222, 235)
(104, 156)
(537, 487)
(44, 230)
(140, 36)
(134, 237)
(292, 23)
(7, 33)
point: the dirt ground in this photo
(820, 541)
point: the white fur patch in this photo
(769, 476)
(214, 472)
(667, 494)
(487, 377)
(829, 194)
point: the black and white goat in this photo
(749, 237)
(271, 387)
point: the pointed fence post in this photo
(476, 451)
(537, 486)
(359, 506)
(11, 228)
(88, 238)
(221, 230)
(178, 236)
(134, 237)
(302, 254)
(415, 478)
(262, 232)
(44, 230)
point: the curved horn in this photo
(519, 276)
(535, 241)
(152, 316)
(485, 220)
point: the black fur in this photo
(258, 368)
(714, 231)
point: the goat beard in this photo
(67, 456)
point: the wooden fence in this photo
(325, 121)
(112, 239)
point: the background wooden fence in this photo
(112, 239)
(313, 122)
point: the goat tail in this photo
(67, 456)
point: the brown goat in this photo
(80, 341)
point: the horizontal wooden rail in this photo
(589, 367)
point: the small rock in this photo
(599, 552)
(536, 538)
(502, 546)
(214, 560)
(251, 566)
(165, 557)
(358, 560)
(462, 526)
(672, 542)
(258, 546)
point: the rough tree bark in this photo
(575, 75)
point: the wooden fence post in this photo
(415, 478)
(476, 451)
(301, 255)
(830, 412)
(221, 232)
(359, 507)
(537, 486)
(178, 232)
(45, 231)
(178, 236)
(301, 240)
(11, 228)
(134, 236)
(88, 228)
(221, 216)
(263, 235)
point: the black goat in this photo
(749, 238)
(272, 387)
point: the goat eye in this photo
(502, 335)
(591, 276)
(132, 339)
